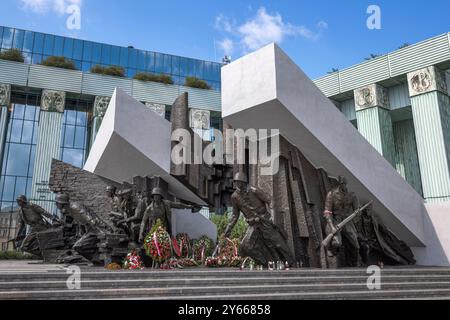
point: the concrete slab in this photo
(134, 141)
(267, 90)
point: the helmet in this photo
(111, 188)
(157, 191)
(62, 198)
(22, 198)
(240, 176)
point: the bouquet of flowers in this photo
(228, 248)
(181, 245)
(172, 263)
(157, 244)
(202, 248)
(187, 262)
(212, 262)
(133, 261)
(113, 266)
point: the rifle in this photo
(342, 224)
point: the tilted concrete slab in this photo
(267, 90)
(134, 141)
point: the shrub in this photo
(12, 55)
(163, 78)
(59, 62)
(115, 71)
(221, 221)
(196, 83)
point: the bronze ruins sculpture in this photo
(290, 214)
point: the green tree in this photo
(115, 71)
(221, 221)
(194, 82)
(59, 62)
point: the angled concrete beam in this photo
(134, 141)
(267, 90)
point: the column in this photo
(431, 113)
(100, 106)
(48, 146)
(5, 99)
(374, 119)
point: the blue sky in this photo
(319, 35)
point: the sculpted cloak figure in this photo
(264, 241)
(379, 244)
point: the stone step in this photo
(412, 289)
(56, 284)
(101, 273)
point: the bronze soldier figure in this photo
(34, 216)
(339, 204)
(134, 221)
(379, 244)
(264, 241)
(159, 209)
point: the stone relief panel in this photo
(53, 101)
(160, 109)
(370, 96)
(427, 80)
(200, 119)
(101, 105)
(5, 94)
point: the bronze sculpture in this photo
(264, 241)
(34, 216)
(379, 244)
(159, 209)
(339, 204)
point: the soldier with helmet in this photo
(264, 240)
(159, 209)
(339, 204)
(34, 216)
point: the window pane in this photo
(78, 49)
(29, 184)
(32, 158)
(30, 112)
(87, 51)
(8, 189)
(1, 38)
(48, 44)
(36, 59)
(106, 54)
(71, 116)
(73, 157)
(81, 118)
(19, 110)
(132, 62)
(7, 38)
(167, 64)
(68, 48)
(5, 159)
(18, 159)
(27, 132)
(21, 187)
(115, 55)
(183, 67)
(69, 136)
(38, 45)
(159, 62)
(28, 41)
(97, 52)
(150, 65)
(80, 137)
(175, 65)
(18, 39)
(59, 44)
(124, 57)
(141, 60)
(86, 67)
(16, 130)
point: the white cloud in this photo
(263, 29)
(44, 6)
(227, 46)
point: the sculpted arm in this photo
(144, 224)
(234, 219)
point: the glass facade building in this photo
(36, 46)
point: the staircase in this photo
(38, 281)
